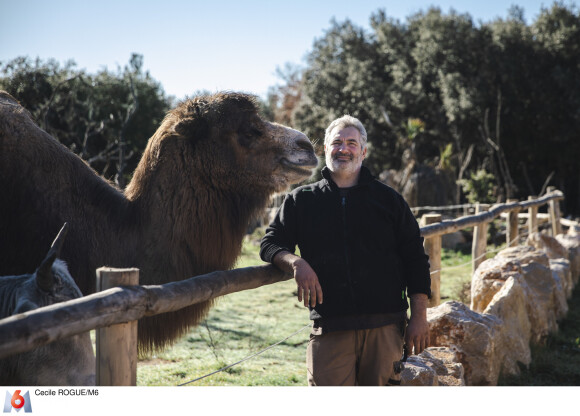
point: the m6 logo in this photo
(17, 402)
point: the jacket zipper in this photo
(346, 254)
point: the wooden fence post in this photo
(512, 226)
(117, 344)
(479, 243)
(532, 217)
(433, 249)
(554, 208)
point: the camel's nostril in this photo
(305, 145)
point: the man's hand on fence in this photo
(417, 335)
(309, 288)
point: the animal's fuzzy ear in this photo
(191, 119)
(192, 127)
(44, 277)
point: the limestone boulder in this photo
(471, 336)
(510, 305)
(446, 365)
(524, 255)
(571, 241)
(435, 366)
(489, 278)
(418, 373)
(549, 245)
(563, 280)
(540, 288)
(541, 300)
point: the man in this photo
(361, 254)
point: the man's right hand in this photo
(308, 286)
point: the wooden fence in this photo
(432, 229)
(126, 304)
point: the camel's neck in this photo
(201, 226)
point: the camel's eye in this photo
(248, 138)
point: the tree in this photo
(501, 96)
(105, 118)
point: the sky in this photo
(210, 45)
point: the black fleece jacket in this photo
(363, 243)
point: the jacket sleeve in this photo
(281, 233)
(415, 263)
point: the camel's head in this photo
(233, 146)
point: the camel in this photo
(209, 169)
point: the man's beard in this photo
(336, 164)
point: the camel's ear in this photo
(193, 123)
(192, 127)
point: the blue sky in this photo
(201, 45)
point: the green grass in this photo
(244, 323)
(455, 276)
(240, 325)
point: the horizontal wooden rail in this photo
(450, 226)
(26, 331)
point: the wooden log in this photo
(117, 344)
(532, 217)
(512, 226)
(26, 331)
(554, 210)
(540, 217)
(449, 226)
(479, 243)
(433, 249)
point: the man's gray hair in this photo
(344, 122)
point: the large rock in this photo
(418, 373)
(560, 269)
(571, 241)
(548, 245)
(471, 336)
(558, 256)
(509, 304)
(435, 366)
(524, 255)
(489, 278)
(540, 288)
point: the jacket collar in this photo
(364, 179)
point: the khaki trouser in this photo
(358, 357)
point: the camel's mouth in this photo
(304, 168)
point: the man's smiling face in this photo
(344, 152)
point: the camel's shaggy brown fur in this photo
(209, 168)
